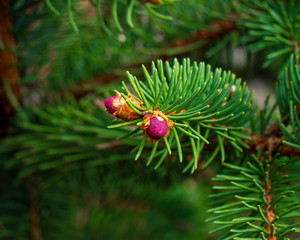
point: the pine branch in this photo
(33, 205)
(8, 61)
(63, 132)
(47, 72)
(256, 200)
(115, 12)
(270, 213)
(272, 142)
(288, 95)
(189, 100)
(271, 28)
(215, 31)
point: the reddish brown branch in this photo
(271, 142)
(215, 31)
(35, 221)
(270, 213)
(8, 69)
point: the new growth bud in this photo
(109, 104)
(156, 126)
(117, 106)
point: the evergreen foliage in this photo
(273, 26)
(199, 102)
(67, 168)
(288, 95)
(256, 199)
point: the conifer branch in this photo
(272, 141)
(253, 191)
(129, 7)
(8, 68)
(270, 28)
(186, 95)
(33, 205)
(268, 195)
(288, 95)
(218, 29)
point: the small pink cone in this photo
(157, 128)
(108, 104)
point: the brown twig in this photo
(270, 212)
(8, 69)
(214, 31)
(271, 141)
(35, 221)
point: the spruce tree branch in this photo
(215, 31)
(35, 220)
(8, 69)
(270, 212)
(271, 141)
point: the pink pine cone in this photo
(157, 129)
(108, 104)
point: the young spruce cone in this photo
(156, 126)
(117, 106)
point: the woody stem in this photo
(270, 212)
